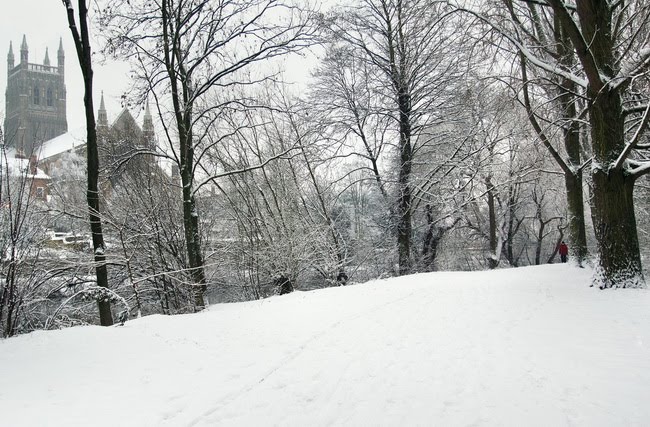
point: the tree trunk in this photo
(619, 260)
(82, 45)
(540, 234)
(404, 200)
(431, 240)
(493, 259)
(192, 238)
(182, 100)
(512, 227)
(103, 304)
(576, 210)
(571, 130)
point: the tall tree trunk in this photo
(540, 234)
(576, 220)
(396, 45)
(82, 44)
(404, 228)
(190, 214)
(193, 242)
(512, 227)
(571, 134)
(431, 240)
(182, 99)
(613, 203)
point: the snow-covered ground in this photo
(520, 347)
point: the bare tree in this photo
(288, 215)
(192, 50)
(343, 98)
(409, 47)
(79, 30)
(496, 176)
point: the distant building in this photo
(37, 180)
(35, 100)
(36, 128)
(123, 146)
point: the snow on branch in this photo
(639, 168)
(635, 140)
(583, 49)
(530, 56)
(633, 67)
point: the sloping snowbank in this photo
(527, 346)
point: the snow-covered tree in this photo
(406, 55)
(194, 56)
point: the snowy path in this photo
(529, 346)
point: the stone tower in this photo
(35, 100)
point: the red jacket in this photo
(564, 249)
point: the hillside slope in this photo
(527, 346)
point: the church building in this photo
(124, 146)
(35, 100)
(36, 126)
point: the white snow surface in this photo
(531, 346)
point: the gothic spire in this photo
(147, 113)
(102, 117)
(10, 57)
(46, 61)
(148, 134)
(60, 56)
(24, 51)
(147, 124)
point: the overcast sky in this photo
(44, 22)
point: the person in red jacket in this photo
(564, 251)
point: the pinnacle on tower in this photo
(148, 133)
(10, 57)
(147, 124)
(24, 51)
(46, 61)
(61, 55)
(102, 117)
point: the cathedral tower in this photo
(35, 100)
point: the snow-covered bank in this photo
(527, 346)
